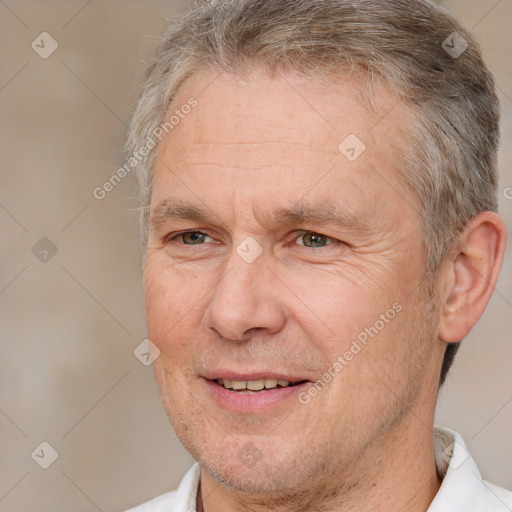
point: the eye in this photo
(311, 239)
(190, 237)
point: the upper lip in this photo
(253, 375)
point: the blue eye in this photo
(312, 239)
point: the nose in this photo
(245, 301)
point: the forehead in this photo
(261, 132)
(283, 108)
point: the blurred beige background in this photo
(71, 319)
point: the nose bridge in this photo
(242, 298)
(246, 262)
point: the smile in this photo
(256, 395)
(255, 386)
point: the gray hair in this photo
(413, 47)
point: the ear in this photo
(470, 275)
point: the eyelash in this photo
(334, 241)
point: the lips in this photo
(254, 380)
(252, 392)
(255, 385)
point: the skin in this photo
(365, 441)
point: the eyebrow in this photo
(301, 213)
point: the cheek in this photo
(334, 306)
(167, 300)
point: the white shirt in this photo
(462, 488)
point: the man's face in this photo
(274, 253)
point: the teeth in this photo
(253, 385)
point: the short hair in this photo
(421, 53)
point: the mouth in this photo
(254, 392)
(257, 385)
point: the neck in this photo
(397, 472)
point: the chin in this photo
(247, 480)
(245, 469)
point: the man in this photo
(320, 228)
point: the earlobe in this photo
(471, 275)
